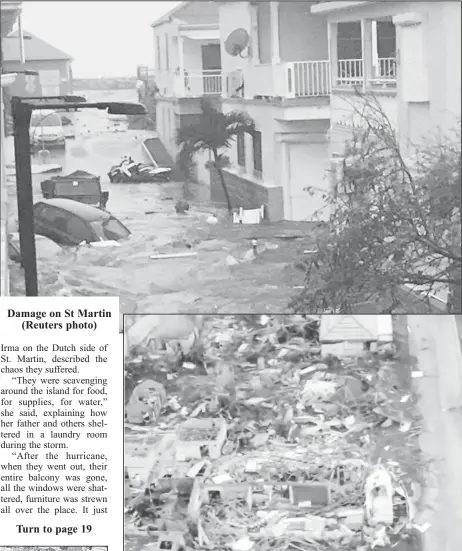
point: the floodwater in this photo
(204, 281)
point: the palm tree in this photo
(213, 132)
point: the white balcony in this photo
(384, 73)
(307, 79)
(350, 72)
(206, 83)
(288, 80)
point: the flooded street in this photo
(204, 282)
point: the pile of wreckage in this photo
(267, 439)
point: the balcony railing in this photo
(207, 83)
(308, 79)
(384, 73)
(350, 72)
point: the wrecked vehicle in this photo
(128, 171)
(71, 223)
(46, 131)
(79, 186)
(45, 248)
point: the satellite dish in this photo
(236, 42)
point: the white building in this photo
(187, 63)
(295, 74)
(282, 80)
(407, 53)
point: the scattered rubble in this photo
(265, 444)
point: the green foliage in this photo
(396, 223)
(215, 132)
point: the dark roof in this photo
(35, 49)
(87, 212)
(79, 174)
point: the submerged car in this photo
(46, 130)
(70, 223)
(45, 248)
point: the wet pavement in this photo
(205, 282)
(435, 343)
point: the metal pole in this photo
(21, 121)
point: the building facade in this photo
(281, 79)
(187, 67)
(408, 54)
(295, 68)
(53, 66)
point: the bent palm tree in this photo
(213, 132)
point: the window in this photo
(79, 230)
(349, 43)
(241, 150)
(264, 31)
(159, 66)
(349, 53)
(50, 119)
(111, 229)
(167, 61)
(257, 158)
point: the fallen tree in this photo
(395, 228)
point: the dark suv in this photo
(71, 223)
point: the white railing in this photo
(387, 67)
(308, 79)
(204, 84)
(384, 73)
(349, 72)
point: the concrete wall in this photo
(263, 116)
(248, 194)
(19, 88)
(302, 35)
(233, 15)
(165, 78)
(167, 124)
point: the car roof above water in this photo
(87, 212)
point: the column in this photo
(284, 149)
(278, 75)
(366, 40)
(275, 54)
(333, 52)
(181, 86)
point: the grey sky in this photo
(105, 38)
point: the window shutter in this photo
(413, 68)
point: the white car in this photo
(46, 130)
